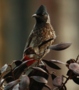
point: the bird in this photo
(40, 39)
(42, 35)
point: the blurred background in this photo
(16, 23)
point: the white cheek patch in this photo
(48, 20)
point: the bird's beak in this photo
(34, 15)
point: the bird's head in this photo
(41, 15)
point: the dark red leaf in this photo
(47, 86)
(70, 73)
(60, 46)
(58, 81)
(39, 69)
(51, 64)
(76, 80)
(4, 68)
(36, 72)
(39, 79)
(17, 71)
(34, 85)
(10, 85)
(57, 61)
(16, 87)
(74, 67)
(24, 83)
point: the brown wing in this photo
(39, 35)
(44, 34)
(29, 40)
